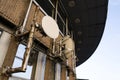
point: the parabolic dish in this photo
(50, 27)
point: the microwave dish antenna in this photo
(50, 27)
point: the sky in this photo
(104, 64)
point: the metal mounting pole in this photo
(27, 51)
(26, 54)
(56, 10)
(66, 26)
(26, 17)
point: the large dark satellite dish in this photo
(88, 18)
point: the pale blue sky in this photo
(104, 64)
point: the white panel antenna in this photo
(50, 27)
